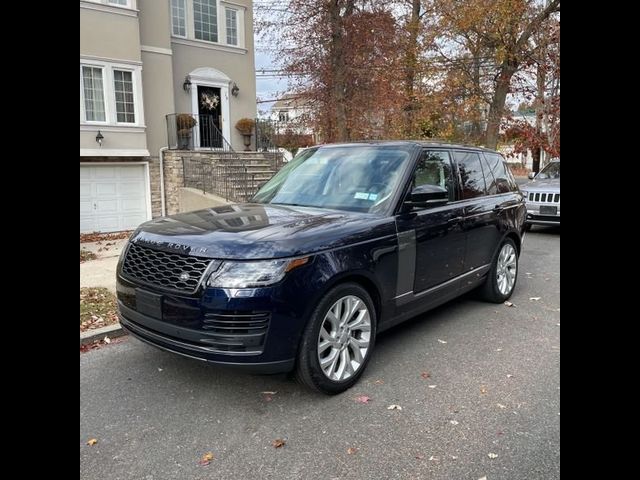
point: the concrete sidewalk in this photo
(101, 272)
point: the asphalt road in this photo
(493, 389)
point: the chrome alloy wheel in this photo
(344, 338)
(506, 269)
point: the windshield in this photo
(360, 178)
(552, 170)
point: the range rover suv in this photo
(344, 242)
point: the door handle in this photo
(454, 220)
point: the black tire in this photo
(308, 371)
(490, 291)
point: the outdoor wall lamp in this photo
(99, 138)
(234, 90)
(187, 84)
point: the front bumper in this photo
(257, 330)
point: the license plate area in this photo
(148, 303)
(548, 210)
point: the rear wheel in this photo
(338, 340)
(501, 280)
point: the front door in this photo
(210, 117)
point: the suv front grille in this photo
(544, 197)
(164, 269)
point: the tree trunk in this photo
(540, 83)
(338, 65)
(410, 68)
(507, 69)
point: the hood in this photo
(546, 184)
(260, 231)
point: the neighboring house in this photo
(141, 60)
(291, 112)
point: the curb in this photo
(111, 331)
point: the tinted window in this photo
(434, 168)
(471, 176)
(503, 181)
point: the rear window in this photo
(471, 174)
(501, 178)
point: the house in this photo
(523, 158)
(141, 63)
(291, 113)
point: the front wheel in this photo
(501, 279)
(338, 340)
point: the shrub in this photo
(185, 121)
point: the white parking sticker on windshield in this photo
(361, 196)
(373, 196)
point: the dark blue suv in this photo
(344, 242)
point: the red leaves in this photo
(425, 375)
(362, 399)
(278, 443)
(100, 237)
(205, 459)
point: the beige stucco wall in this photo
(238, 65)
(109, 35)
(155, 23)
(112, 139)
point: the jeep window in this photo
(502, 182)
(471, 175)
(552, 170)
(434, 168)
(357, 178)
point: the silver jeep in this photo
(542, 195)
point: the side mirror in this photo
(531, 175)
(428, 196)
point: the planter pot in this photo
(247, 142)
(183, 142)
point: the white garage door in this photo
(112, 197)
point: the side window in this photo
(490, 180)
(503, 178)
(471, 175)
(434, 168)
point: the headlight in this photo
(252, 274)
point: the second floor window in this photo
(213, 21)
(93, 88)
(109, 93)
(179, 18)
(205, 20)
(232, 26)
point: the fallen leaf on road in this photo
(442, 341)
(159, 369)
(420, 457)
(107, 340)
(268, 393)
(434, 459)
(206, 459)
(362, 399)
(483, 389)
(492, 455)
(483, 478)
(509, 304)
(453, 457)
(278, 442)
(394, 407)
(453, 422)
(501, 405)
(92, 442)
(351, 450)
(425, 374)
(509, 375)
(379, 382)
(432, 386)
(534, 299)
(498, 349)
